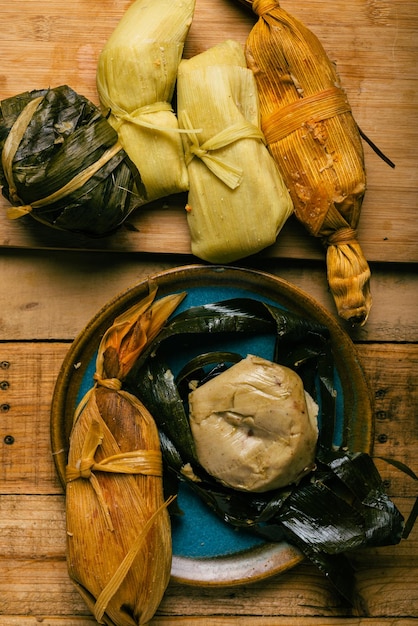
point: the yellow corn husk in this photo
(118, 528)
(237, 200)
(136, 75)
(312, 135)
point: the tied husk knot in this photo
(227, 172)
(138, 116)
(263, 7)
(344, 235)
(109, 383)
(146, 462)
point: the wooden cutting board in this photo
(373, 42)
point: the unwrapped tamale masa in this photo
(237, 201)
(311, 133)
(118, 529)
(136, 76)
(62, 163)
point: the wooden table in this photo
(52, 284)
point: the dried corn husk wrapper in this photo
(237, 201)
(311, 132)
(62, 163)
(118, 529)
(136, 76)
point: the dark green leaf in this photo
(66, 134)
(159, 393)
(322, 520)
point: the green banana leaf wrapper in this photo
(65, 167)
(339, 507)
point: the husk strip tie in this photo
(229, 174)
(11, 145)
(138, 116)
(146, 462)
(342, 236)
(12, 142)
(317, 107)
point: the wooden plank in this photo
(369, 42)
(60, 292)
(33, 529)
(28, 376)
(38, 584)
(217, 621)
(34, 579)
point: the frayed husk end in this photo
(348, 276)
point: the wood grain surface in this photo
(372, 42)
(52, 284)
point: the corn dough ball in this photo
(254, 426)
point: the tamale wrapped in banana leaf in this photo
(118, 528)
(311, 132)
(237, 201)
(136, 76)
(339, 506)
(62, 163)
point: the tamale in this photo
(254, 426)
(118, 528)
(237, 201)
(62, 163)
(136, 76)
(339, 506)
(311, 133)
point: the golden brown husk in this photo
(311, 133)
(118, 528)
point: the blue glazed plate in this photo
(205, 550)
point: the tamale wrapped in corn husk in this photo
(237, 200)
(136, 76)
(118, 528)
(311, 133)
(62, 163)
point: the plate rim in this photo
(195, 571)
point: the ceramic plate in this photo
(205, 550)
